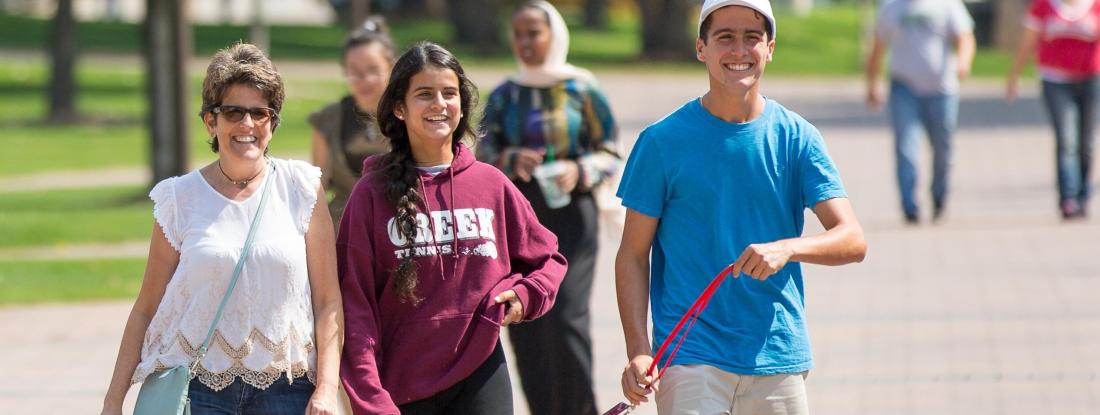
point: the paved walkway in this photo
(993, 312)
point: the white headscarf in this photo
(554, 69)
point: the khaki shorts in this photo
(707, 390)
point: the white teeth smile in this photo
(245, 139)
(738, 66)
(438, 118)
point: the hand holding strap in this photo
(689, 318)
(692, 315)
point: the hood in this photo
(464, 158)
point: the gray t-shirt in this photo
(921, 35)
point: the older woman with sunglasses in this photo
(276, 347)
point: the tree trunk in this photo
(595, 14)
(1007, 15)
(258, 33)
(435, 9)
(62, 88)
(408, 8)
(111, 12)
(227, 12)
(358, 10)
(868, 11)
(167, 47)
(476, 24)
(664, 32)
(802, 7)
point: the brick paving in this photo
(991, 312)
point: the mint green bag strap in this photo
(237, 270)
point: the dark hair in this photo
(705, 26)
(373, 30)
(398, 168)
(533, 5)
(241, 64)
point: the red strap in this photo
(693, 315)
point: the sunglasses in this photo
(232, 113)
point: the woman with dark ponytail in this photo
(436, 253)
(345, 132)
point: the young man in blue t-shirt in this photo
(726, 179)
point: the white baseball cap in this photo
(762, 6)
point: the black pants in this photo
(554, 352)
(487, 391)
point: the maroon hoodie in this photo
(396, 353)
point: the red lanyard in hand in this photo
(689, 318)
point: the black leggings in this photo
(487, 391)
(554, 353)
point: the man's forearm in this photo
(874, 64)
(632, 290)
(840, 245)
(965, 46)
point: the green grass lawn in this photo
(113, 99)
(56, 217)
(827, 42)
(287, 41)
(24, 282)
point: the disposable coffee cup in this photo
(547, 176)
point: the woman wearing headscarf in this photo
(550, 123)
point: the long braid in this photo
(397, 168)
(403, 191)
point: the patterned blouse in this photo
(266, 329)
(572, 116)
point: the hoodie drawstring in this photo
(454, 227)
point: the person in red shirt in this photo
(1065, 36)
(436, 253)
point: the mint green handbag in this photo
(165, 392)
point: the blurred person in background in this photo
(552, 120)
(1065, 35)
(932, 47)
(345, 132)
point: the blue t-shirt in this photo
(717, 187)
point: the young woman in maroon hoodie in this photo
(436, 253)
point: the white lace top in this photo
(266, 329)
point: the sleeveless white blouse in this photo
(266, 329)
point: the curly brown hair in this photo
(241, 64)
